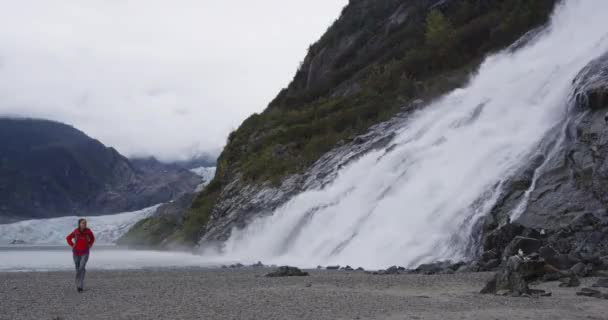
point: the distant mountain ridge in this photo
(50, 169)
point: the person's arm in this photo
(70, 239)
(91, 238)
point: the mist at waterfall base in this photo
(418, 200)
(45, 247)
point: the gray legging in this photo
(80, 262)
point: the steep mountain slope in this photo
(49, 169)
(377, 60)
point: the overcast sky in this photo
(153, 77)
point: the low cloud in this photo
(152, 77)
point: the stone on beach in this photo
(287, 271)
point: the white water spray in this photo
(418, 200)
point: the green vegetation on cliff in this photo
(307, 120)
(374, 60)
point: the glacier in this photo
(207, 173)
(107, 228)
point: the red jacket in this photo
(84, 240)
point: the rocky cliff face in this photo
(562, 191)
(48, 169)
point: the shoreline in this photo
(245, 293)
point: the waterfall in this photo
(417, 200)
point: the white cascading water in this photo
(417, 201)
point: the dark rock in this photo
(360, 269)
(592, 293)
(332, 268)
(591, 85)
(440, 267)
(527, 245)
(319, 267)
(490, 265)
(559, 261)
(553, 276)
(601, 283)
(471, 267)
(287, 271)
(348, 268)
(489, 255)
(566, 261)
(393, 270)
(582, 270)
(16, 241)
(583, 221)
(587, 245)
(549, 254)
(569, 282)
(236, 265)
(359, 140)
(514, 276)
(500, 238)
(259, 264)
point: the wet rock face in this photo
(569, 198)
(592, 85)
(578, 247)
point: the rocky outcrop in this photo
(287, 271)
(563, 188)
(49, 169)
(514, 277)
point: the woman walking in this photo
(81, 240)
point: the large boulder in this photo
(592, 293)
(440, 267)
(287, 271)
(498, 239)
(514, 276)
(581, 269)
(525, 245)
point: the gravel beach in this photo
(247, 294)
